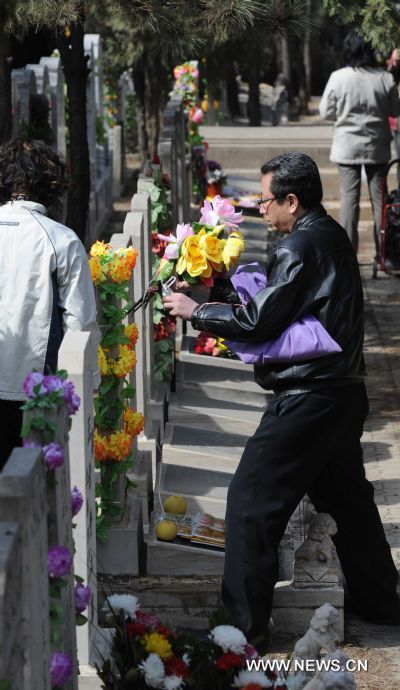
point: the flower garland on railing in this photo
(161, 222)
(186, 87)
(46, 395)
(115, 422)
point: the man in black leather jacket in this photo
(308, 440)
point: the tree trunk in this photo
(285, 57)
(5, 77)
(253, 106)
(140, 89)
(5, 100)
(76, 73)
(154, 82)
(307, 56)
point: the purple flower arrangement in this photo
(60, 669)
(83, 595)
(59, 561)
(76, 501)
(37, 384)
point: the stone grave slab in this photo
(214, 450)
(205, 491)
(122, 553)
(172, 558)
(198, 411)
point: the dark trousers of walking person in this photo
(305, 443)
(350, 189)
(10, 428)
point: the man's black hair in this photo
(295, 173)
(357, 52)
(32, 168)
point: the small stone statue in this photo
(314, 563)
(322, 634)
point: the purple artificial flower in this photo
(213, 165)
(83, 595)
(53, 383)
(59, 561)
(183, 230)
(53, 455)
(149, 620)
(60, 669)
(220, 211)
(29, 444)
(71, 398)
(31, 381)
(76, 501)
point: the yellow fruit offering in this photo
(175, 504)
(166, 530)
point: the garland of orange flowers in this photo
(116, 423)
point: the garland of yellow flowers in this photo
(116, 423)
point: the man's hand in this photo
(179, 305)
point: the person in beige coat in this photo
(360, 98)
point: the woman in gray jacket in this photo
(45, 283)
(360, 98)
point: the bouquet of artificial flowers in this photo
(205, 249)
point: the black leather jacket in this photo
(313, 270)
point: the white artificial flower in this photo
(127, 602)
(153, 671)
(228, 637)
(296, 681)
(246, 677)
(173, 683)
(186, 659)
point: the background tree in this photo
(377, 20)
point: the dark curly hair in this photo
(33, 169)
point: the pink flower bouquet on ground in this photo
(200, 251)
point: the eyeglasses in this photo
(261, 202)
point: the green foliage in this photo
(377, 20)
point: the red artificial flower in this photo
(176, 667)
(252, 686)
(164, 631)
(156, 159)
(198, 350)
(134, 629)
(228, 661)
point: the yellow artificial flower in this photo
(101, 450)
(233, 248)
(119, 445)
(125, 362)
(118, 269)
(96, 270)
(154, 642)
(133, 422)
(221, 344)
(102, 360)
(99, 248)
(210, 245)
(192, 259)
(131, 332)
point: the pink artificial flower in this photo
(197, 116)
(183, 230)
(220, 211)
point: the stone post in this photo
(141, 206)
(25, 82)
(23, 500)
(56, 78)
(12, 640)
(75, 356)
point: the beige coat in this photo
(360, 101)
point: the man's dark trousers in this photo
(305, 443)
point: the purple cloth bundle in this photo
(302, 340)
